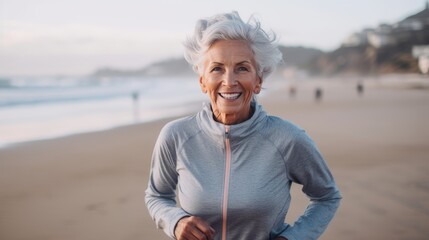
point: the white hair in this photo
(230, 26)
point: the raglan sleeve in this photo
(306, 166)
(160, 195)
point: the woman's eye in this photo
(241, 69)
(216, 69)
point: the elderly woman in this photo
(231, 163)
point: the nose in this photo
(230, 79)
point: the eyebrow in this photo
(242, 62)
(245, 61)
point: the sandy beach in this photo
(91, 186)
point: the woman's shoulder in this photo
(278, 124)
(281, 132)
(180, 127)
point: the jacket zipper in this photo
(226, 182)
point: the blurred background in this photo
(85, 87)
(74, 66)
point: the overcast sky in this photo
(49, 37)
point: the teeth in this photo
(230, 96)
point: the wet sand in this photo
(91, 186)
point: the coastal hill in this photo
(169, 67)
(386, 48)
(297, 57)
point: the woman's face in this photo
(230, 79)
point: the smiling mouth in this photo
(230, 96)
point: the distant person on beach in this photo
(231, 164)
(359, 88)
(292, 91)
(318, 94)
(135, 96)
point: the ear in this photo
(203, 85)
(258, 86)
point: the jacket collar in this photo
(216, 130)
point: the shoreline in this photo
(83, 133)
(388, 81)
(192, 107)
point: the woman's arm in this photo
(306, 166)
(161, 191)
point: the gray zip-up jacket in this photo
(238, 177)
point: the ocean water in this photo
(34, 108)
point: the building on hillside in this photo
(382, 36)
(415, 22)
(422, 54)
(357, 38)
(414, 29)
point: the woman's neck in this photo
(231, 119)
